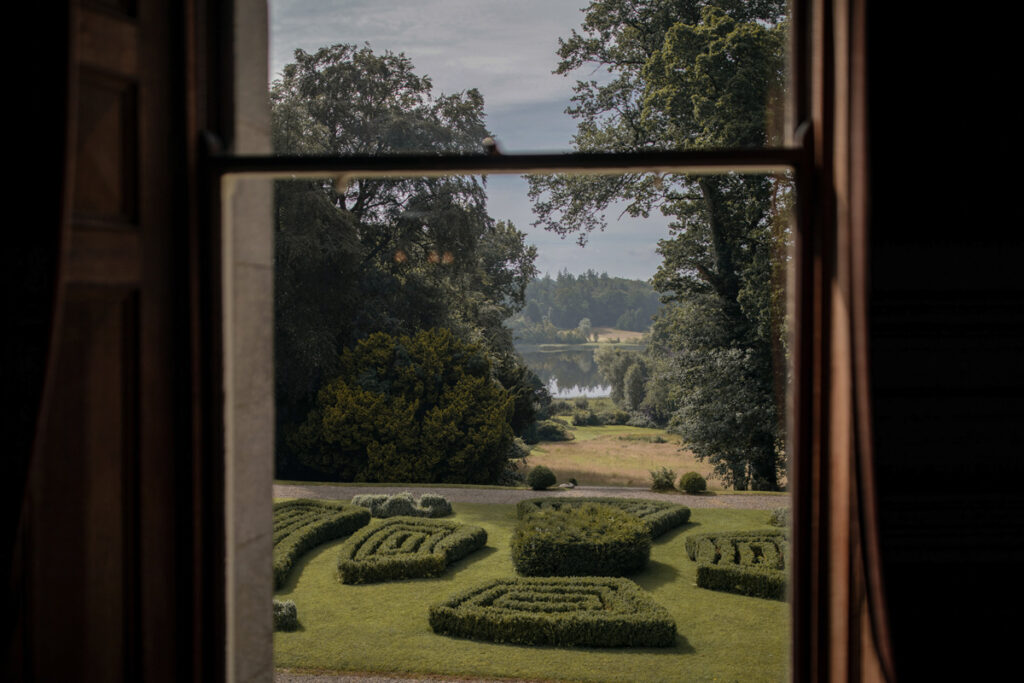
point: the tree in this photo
(383, 255)
(684, 75)
(420, 408)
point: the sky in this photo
(507, 50)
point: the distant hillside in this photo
(564, 301)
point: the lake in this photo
(568, 371)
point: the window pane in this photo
(412, 76)
(422, 326)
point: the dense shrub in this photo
(301, 525)
(780, 517)
(663, 479)
(660, 516)
(748, 562)
(406, 548)
(586, 418)
(420, 408)
(613, 417)
(548, 430)
(540, 477)
(402, 504)
(575, 611)
(649, 438)
(562, 407)
(580, 540)
(286, 616)
(692, 482)
(581, 402)
(642, 420)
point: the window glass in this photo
(428, 333)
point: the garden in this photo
(553, 588)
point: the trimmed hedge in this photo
(573, 611)
(580, 540)
(747, 562)
(286, 616)
(540, 478)
(402, 504)
(659, 515)
(692, 482)
(406, 548)
(301, 525)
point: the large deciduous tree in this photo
(382, 255)
(689, 74)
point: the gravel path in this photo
(508, 496)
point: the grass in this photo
(384, 627)
(599, 456)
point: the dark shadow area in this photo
(656, 574)
(673, 533)
(457, 566)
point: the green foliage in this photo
(418, 409)
(692, 482)
(663, 479)
(406, 548)
(781, 517)
(612, 417)
(548, 430)
(385, 255)
(689, 74)
(301, 525)
(658, 515)
(286, 616)
(586, 418)
(540, 478)
(601, 300)
(577, 611)
(750, 563)
(580, 540)
(383, 505)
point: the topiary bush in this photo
(747, 562)
(580, 540)
(780, 517)
(660, 516)
(576, 611)
(402, 504)
(301, 525)
(406, 548)
(663, 479)
(692, 482)
(540, 478)
(286, 616)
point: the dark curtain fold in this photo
(39, 153)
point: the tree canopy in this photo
(386, 256)
(688, 74)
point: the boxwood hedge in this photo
(301, 525)
(572, 611)
(580, 540)
(406, 548)
(659, 515)
(402, 504)
(750, 563)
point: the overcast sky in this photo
(505, 49)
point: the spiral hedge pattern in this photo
(564, 611)
(406, 548)
(301, 525)
(750, 563)
(659, 515)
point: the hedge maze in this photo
(580, 540)
(749, 563)
(301, 525)
(406, 548)
(660, 516)
(571, 611)
(402, 504)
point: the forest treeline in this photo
(605, 301)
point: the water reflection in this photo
(567, 372)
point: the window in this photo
(815, 622)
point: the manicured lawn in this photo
(383, 627)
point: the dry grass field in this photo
(617, 456)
